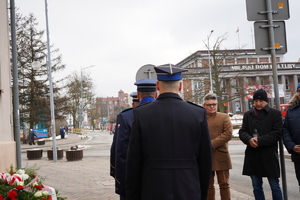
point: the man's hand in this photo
(297, 149)
(253, 142)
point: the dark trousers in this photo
(297, 171)
(31, 141)
(122, 197)
(258, 191)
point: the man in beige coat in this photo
(220, 129)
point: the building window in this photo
(287, 83)
(261, 81)
(237, 106)
(197, 85)
(249, 81)
(199, 63)
(223, 85)
(237, 84)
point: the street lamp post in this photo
(81, 99)
(16, 114)
(37, 65)
(209, 63)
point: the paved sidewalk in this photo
(87, 179)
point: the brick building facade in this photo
(109, 107)
(240, 72)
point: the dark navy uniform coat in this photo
(120, 145)
(113, 146)
(169, 153)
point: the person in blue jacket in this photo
(62, 132)
(146, 92)
(291, 132)
(31, 136)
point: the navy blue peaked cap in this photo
(146, 85)
(169, 72)
(134, 97)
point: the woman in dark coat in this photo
(291, 134)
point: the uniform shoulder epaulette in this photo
(126, 110)
(195, 104)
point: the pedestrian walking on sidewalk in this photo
(66, 129)
(220, 129)
(62, 132)
(110, 129)
(291, 133)
(31, 136)
(261, 130)
(169, 153)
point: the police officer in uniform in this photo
(135, 100)
(169, 153)
(146, 92)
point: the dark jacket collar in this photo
(168, 95)
(266, 108)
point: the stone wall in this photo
(7, 144)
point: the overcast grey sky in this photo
(120, 36)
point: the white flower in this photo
(24, 176)
(35, 183)
(45, 193)
(20, 183)
(38, 194)
(20, 171)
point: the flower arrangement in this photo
(24, 184)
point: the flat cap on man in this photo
(146, 85)
(169, 72)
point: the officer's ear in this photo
(180, 86)
(157, 85)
